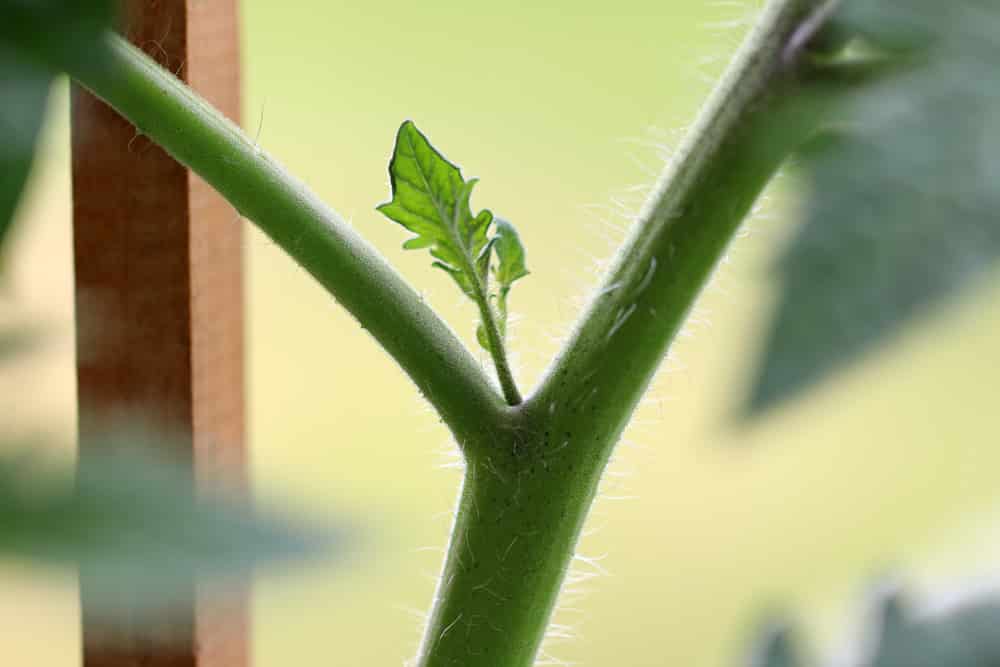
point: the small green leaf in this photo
(510, 265)
(902, 201)
(510, 255)
(431, 199)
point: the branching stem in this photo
(532, 467)
(528, 490)
(166, 110)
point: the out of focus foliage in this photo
(902, 208)
(133, 523)
(136, 526)
(894, 635)
(35, 36)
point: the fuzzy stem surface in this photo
(532, 469)
(529, 487)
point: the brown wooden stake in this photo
(159, 309)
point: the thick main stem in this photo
(529, 486)
(524, 500)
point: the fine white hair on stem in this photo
(545, 658)
(450, 457)
(592, 529)
(729, 4)
(561, 631)
(741, 15)
(260, 127)
(419, 614)
(439, 550)
(592, 561)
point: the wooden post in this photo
(160, 308)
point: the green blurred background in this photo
(566, 111)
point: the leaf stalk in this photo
(498, 346)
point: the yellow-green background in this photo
(565, 110)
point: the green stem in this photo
(198, 136)
(757, 115)
(532, 470)
(498, 346)
(529, 485)
(524, 500)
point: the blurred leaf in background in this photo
(775, 648)
(894, 635)
(57, 30)
(24, 89)
(138, 528)
(35, 37)
(902, 196)
(134, 522)
(16, 340)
